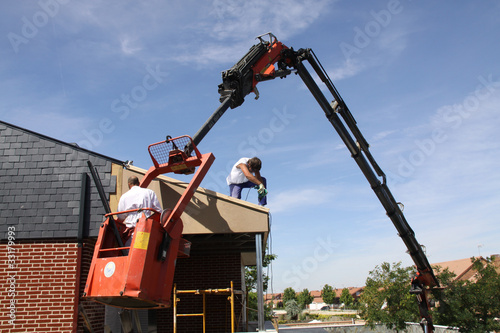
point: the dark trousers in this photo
(235, 190)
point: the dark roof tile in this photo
(42, 178)
(47, 234)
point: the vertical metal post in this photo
(260, 284)
(244, 310)
(232, 308)
(175, 308)
(204, 309)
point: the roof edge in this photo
(70, 145)
(203, 191)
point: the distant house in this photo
(463, 268)
(318, 302)
(50, 215)
(276, 299)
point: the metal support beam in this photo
(212, 120)
(260, 284)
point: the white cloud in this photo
(383, 135)
(241, 19)
(238, 23)
(129, 47)
(349, 68)
(373, 44)
(208, 53)
(189, 33)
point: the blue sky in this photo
(422, 79)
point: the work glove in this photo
(261, 190)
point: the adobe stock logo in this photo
(123, 107)
(30, 26)
(372, 29)
(451, 118)
(252, 145)
(225, 9)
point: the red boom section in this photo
(264, 68)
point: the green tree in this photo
(251, 285)
(288, 295)
(386, 298)
(251, 273)
(304, 298)
(292, 309)
(473, 305)
(328, 294)
(346, 298)
(252, 306)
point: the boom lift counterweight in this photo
(268, 60)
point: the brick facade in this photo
(43, 287)
(93, 310)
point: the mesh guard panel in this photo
(160, 151)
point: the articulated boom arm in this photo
(270, 59)
(257, 65)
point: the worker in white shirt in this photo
(136, 197)
(246, 174)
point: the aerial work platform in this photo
(132, 277)
(140, 276)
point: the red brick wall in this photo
(94, 311)
(209, 271)
(45, 283)
(43, 287)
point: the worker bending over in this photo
(246, 174)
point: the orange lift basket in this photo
(140, 276)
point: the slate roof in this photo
(41, 185)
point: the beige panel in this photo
(209, 211)
(155, 185)
(117, 171)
